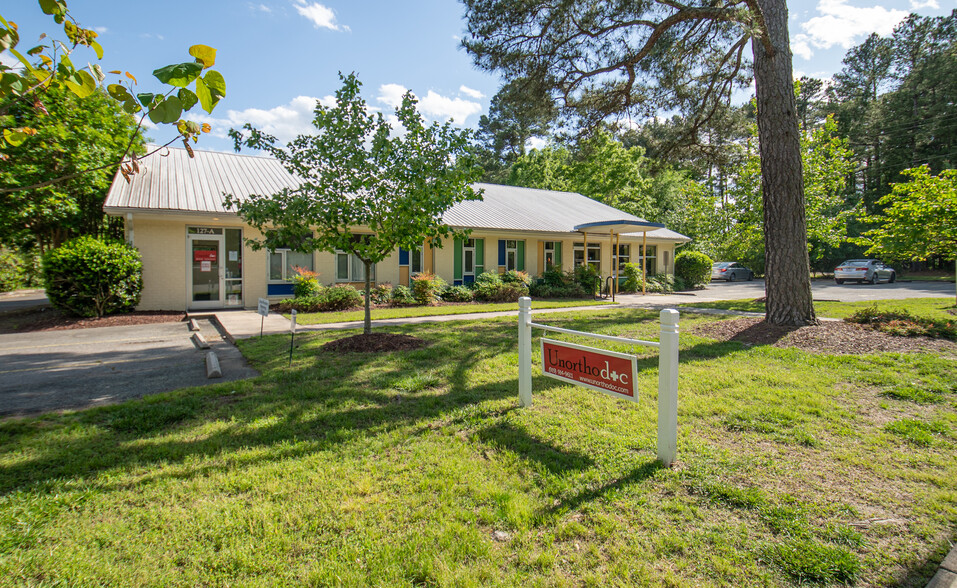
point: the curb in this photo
(946, 576)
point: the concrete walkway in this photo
(946, 576)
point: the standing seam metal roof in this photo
(172, 181)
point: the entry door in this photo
(206, 274)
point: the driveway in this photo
(80, 368)
(828, 290)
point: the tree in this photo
(48, 67)
(602, 58)
(75, 134)
(920, 218)
(364, 190)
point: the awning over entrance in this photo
(617, 227)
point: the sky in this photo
(279, 56)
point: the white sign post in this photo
(667, 345)
(263, 311)
(292, 339)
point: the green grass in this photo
(419, 468)
(933, 308)
(322, 318)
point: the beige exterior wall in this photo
(162, 241)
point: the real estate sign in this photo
(605, 371)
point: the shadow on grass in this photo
(637, 475)
(920, 574)
(557, 461)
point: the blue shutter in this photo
(501, 252)
(403, 257)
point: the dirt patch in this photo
(828, 337)
(51, 319)
(374, 343)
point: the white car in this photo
(864, 270)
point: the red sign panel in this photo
(606, 371)
(204, 255)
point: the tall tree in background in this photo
(71, 135)
(632, 57)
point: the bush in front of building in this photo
(426, 288)
(382, 294)
(516, 277)
(333, 298)
(632, 275)
(489, 287)
(89, 277)
(305, 284)
(554, 283)
(693, 268)
(587, 277)
(402, 296)
(457, 294)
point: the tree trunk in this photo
(367, 323)
(787, 268)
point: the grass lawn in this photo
(322, 318)
(418, 468)
(934, 308)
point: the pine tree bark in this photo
(787, 268)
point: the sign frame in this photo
(632, 360)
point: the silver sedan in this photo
(864, 270)
(730, 271)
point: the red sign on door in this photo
(606, 371)
(204, 255)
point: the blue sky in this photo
(280, 56)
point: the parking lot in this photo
(828, 290)
(80, 368)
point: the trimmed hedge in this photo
(341, 297)
(693, 268)
(89, 277)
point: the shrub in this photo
(402, 296)
(489, 287)
(457, 294)
(587, 277)
(632, 274)
(555, 277)
(12, 274)
(88, 277)
(382, 294)
(426, 288)
(693, 267)
(305, 284)
(341, 297)
(662, 283)
(557, 284)
(514, 277)
(904, 324)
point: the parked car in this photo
(730, 271)
(864, 270)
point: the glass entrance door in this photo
(206, 275)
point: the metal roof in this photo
(173, 182)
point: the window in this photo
(594, 255)
(282, 262)
(511, 255)
(650, 265)
(553, 254)
(468, 257)
(624, 256)
(416, 257)
(349, 268)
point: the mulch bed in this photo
(374, 343)
(50, 319)
(836, 337)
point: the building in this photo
(194, 255)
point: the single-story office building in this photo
(194, 255)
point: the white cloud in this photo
(260, 8)
(284, 122)
(471, 92)
(321, 16)
(840, 24)
(391, 94)
(536, 143)
(918, 4)
(152, 36)
(100, 30)
(10, 61)
(438, 106)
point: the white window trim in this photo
(511, 249)
(353, 278)
(285, 265)
(592, 246)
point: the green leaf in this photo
(188, 97)
(36, 50)
(204, 55)
(179, 75)
(98, 48)
(121, 94)
(167, 111)
(15, 138)
(81, 83)
(145, 98)
(210, 89)
(52, 7)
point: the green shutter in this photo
(521, 256)
(479, 256)
(558, 254)
(457, 263)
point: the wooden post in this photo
(644, 254)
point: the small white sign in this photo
(205, 266)
(292, 323)
(263, 307)
(233, 256)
